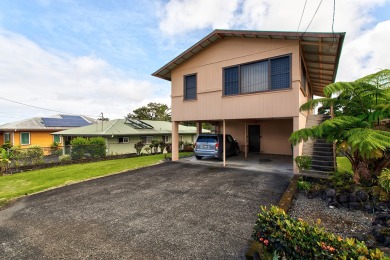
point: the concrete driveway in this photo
(174, 210)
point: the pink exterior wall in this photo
(209, 64)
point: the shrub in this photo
(147, 149)
(79, 147)
(341, 178)
(65, 158)
(154, 145)
(6, 145)
(181, 143)
(384, 179)
(303, 185)
(97, 147)
(303, 163)
(291, 238)
(4, 160)
(54, 148)
(18, 156)
(169, 148)
(138, 147)
(188, 147)
(35, 154)
(162, 146)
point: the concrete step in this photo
(322, 163)
(322, 168)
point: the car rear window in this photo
(207, 139)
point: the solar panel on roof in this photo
(65, 121)
(138, 124)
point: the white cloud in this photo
(181, 16)
(364, 48)
(82, 85)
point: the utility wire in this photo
(334, 11)
(47, 109)
(303, 11)
(318, 7)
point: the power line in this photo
(318, 7)
(42, 108)
(334, 11)
(303, 11)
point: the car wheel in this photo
(198, 157)
(237, 151)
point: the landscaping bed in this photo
(349, 211)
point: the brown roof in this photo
(321, 53)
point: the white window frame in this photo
(125, 140)
(29, 138)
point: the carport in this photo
(257, 138)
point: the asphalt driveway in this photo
(173, 210)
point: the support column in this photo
(198, 128)
(246, 140)
(175, 141)
(297, 148)
(224, 142)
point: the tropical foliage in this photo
(152, 111)
(357, 109)
(283, 237)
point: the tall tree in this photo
(152, 111)
(361, 105)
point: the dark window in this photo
(280, 73)
(303, 78)
(258, 76)
(190, 87)
(123, 140)
(231, 81)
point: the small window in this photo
(25, 138)
(147, 139)
(7, 137)
(57, 138)
(123, 140)
(190, 87)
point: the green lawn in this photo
(344, 165)
(17, 185)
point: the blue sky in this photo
(87, 57)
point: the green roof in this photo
(122, 127)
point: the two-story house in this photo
(251, 84)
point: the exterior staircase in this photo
(319, 150)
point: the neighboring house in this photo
(37, 131)
(251, 84)
(122, 134)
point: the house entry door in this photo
(254, 138)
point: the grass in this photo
(344, 165)
(20, 184)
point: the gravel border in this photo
(340, 221)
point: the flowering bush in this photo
(295, 239)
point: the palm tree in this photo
(360, 106)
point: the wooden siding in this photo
(208, 66)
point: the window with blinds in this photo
(190, 87)
(271, 74)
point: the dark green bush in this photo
(79, 147)
(97, 147)
(94, 147)
(303, 163)
(138, 147)
(291, 238)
